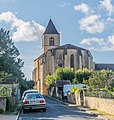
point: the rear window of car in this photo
(33, 96)
(30, 92)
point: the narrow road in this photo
(57, 111)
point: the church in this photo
(54, 55)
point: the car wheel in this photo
(44, 109)
(24, 111)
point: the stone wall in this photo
(45, 41)
(3, 103)
(71, 97)
(106, 105)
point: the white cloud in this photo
(99, 44)
(92, 24)
(82, 7)
(89, 41)
(106, 4)
(24, 31)
(110, 20)
(65, 4)
(111, 39)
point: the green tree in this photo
(50, 80)
(64, 74)
(83, 75)
(75, 81)
(10, 63)
(101, 79)
(60, 74)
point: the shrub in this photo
(10, 104)
(1, 110)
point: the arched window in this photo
(59, 61)
(72, 61)
(51, 41)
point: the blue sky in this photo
(85, 23)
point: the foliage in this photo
(10, 64)
(75, 90)
(1, 110)
(5, 92)
(111, 87)
(64, 74)
(94, 79)
(4, 74)
(25, 84)
(83, 75)
(30, 84)
(10, 106)
(102, 93)
(50, 81)
(60, 74)
(75, 81)
(101, 79)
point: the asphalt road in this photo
(57, 111)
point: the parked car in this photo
(33, 101)
(29, 91)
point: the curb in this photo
(102, 117)
(18, 115)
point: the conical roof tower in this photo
(51, 29)
(50, 38)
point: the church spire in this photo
(51, 29)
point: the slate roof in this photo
(8, 80)
(104, 66)
(69, 46)
(51, 29)
(66, 46)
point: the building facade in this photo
(54, 55)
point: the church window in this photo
(72, 61)
(59, 61)
(60, 57)
(80, 62)
(51, 41)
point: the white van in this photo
(68, 87)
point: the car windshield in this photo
(33, 96)
(30, 92)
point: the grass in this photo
(101, 112)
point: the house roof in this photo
(51, 29)
(8, 80)
(69, 46)
(104, 66)
(66, 46)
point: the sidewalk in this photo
(8, 117)
(87, 110)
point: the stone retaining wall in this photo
(3, 103)
(71, 98)
(106, 105)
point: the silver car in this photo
(33, 101)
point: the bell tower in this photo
(50, 38)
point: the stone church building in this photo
(54, 55)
